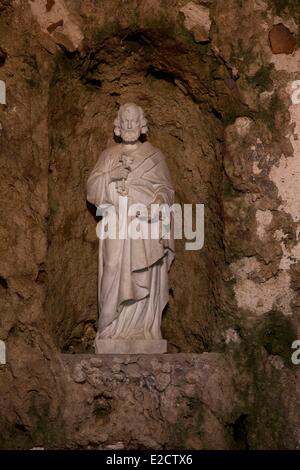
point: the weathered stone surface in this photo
(160, 401)
(197, 21)
(55, 19)
(195, 401)
(282, 40)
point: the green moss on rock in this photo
(262, 78)
(276, 334)
(228, 189)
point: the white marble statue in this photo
(133, 273)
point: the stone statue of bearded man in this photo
(133, 271)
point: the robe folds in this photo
(132, 273)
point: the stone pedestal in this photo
(152, 401)
(123, 346)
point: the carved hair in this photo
(143, 120)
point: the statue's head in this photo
(130, 123)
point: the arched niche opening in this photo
(172, 82)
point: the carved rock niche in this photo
(172, 81)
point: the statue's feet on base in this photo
(130, 346)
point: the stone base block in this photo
(181, 401)
(137, 346)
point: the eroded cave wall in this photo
(198, 68)
(31, 398)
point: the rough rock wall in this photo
(176, 401)
(30, 389)
(173, 401)
(198, 68)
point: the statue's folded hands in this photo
(119, 173)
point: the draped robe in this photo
(132, 273)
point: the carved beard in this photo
(130, 136)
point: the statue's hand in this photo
(119, 173)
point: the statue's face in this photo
(130, 125)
